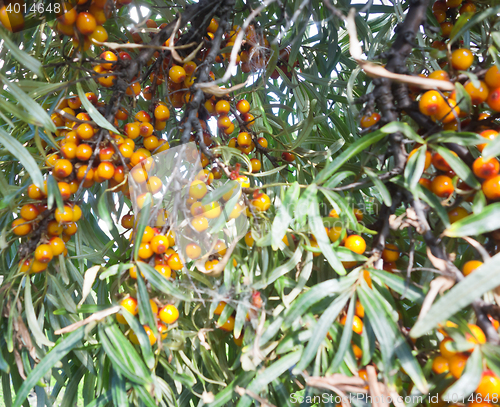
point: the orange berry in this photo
(360, 310)
(448, 112)
(106, 170)
(442, 186)
(99, 35)
(428, 158)
(174, 262)
(222, 107)
(440, 365)
(249, 240)
(457, 364)
(471, 266)
(468, 8)
(37, 267)
(197, 189)
(356, 244)
(479, 94)
(369, 121)
(169, 314)
(164, 270)
(62, 168)
(256, 165)
(489, 386)
(477, 336)
(430, 102)
(261, 202)
(262, 142)
(20, 227)
(193, 251)
(146, 129)
(489, 135)
(145, 251)
(390, 253)
(84, 152)
(462, 59)
(357, 324)
(85, 131)
(85, 23)
(159, 244)
(64, 215)
(177, 74)
(43, 253)
(426, 183)
(199, 223)
(444, 351)
(494, 99)
(228, 326)
(57, 245)
(243, 106)
(161, 112)
(224, 122)
(29, 212)
(34, 192)
(111, 57)
(288, 157)
(491, 188)
(446, 28)
(492, 77)
(244, 139)
(457, 214)
(485, 168)
(212, 27)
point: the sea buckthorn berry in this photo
(228, 326)
(249, 240)
(446, 28)
(489, 135)
(52, 159)
(77, 213)
(222, 107)
(64, 215)
(9, 18)
(439, 75)
(262, 142)
(174, 262)
(479, 94)
(193, 251)
(261, 202)
(132, 130)
(440, 45)
(197, 189)
(177, 74)
(43, 253)
(440, 163)
(486, 168)
(494, 99)
(85, 172)
(471, 266)
(161, 112)
(54, 229)
(369, 121)
(356, 244)
(145, 251)
(20, 227)
(128, 221)
(189, 67)
(492, 77)
(57, 245)
(334, 233)
(440, 365)
(142, 116)
(476, 335)
(68, 150)
(130, 304)
(457, 214)
(37, 267)
(84, 152)
(99, 34)
(164, 270)
(468, 8)
(243, 106)
(34, 192)
(62, 168)
(457, 364)
(428, 158)
(139, 175)
(256, 165)
(154, 185)
(169, 314)
(106, 154)
(146, 129)
(68, 14)
(224, 122)
(448, 112)
(85, 131)
(288, 157)
(148, 234)
(489, 386)
(390, 253)
(212, 27)
(244, 139)
(357, 324)
(453, 3)
(106, 170)
(211, 210)
(111, 57)
(200, 223)
(444, 350)
(430, 102)
(159, 244)
(85, 23)
(29, 212)
(442, 186)
(462, 59)
(491, 188)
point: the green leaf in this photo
(35, 329)
(478, 17)
(401, 127)
(464, 138)
(26, 60)
(97, 117)
(461, 169)
(63, 347)
(415, 168)
(384, 192)
(118, 390)
(284, 216)
(482, 280)
(345, 339)
(145, 311)
(492, 148)
(398, 284)
(29, 104)
(142, 222)
(318, 229)
(278, 368)
(281, 270)
(320, 330)
(354, 149)
(22, 154)
(486, 221)
(463, 98)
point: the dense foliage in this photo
(198, 198)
